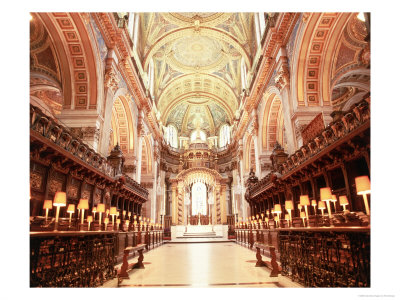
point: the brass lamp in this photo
(83, 204)
(101, 207)
(276, 218)
(326, 195)
(94, 210)
(314, 204)
(89, 219)
(343, 202)
(48, 204)
(303, 216)
(321, 206)
(106, 221)
(334, 200)
(60, 199)
(113, 212)
(363, 187)
(287, 218)
(305, 201)
(70, 210)
(289, 207)
(118, 222)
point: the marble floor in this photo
(201, 265)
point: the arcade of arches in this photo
(250, 129)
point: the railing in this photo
(317, 257)
(71, 259)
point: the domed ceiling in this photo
(197, 61)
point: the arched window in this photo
(199, 201)
(198, 134)
(171, 136)
(224, 135)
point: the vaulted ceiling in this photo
(197, 61)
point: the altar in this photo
(199, 231)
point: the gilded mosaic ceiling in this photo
(197, 60)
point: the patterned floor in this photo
(201, 265)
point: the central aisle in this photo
(201, 265)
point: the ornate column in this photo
(174, 209)
(217, 205)
(141, 133)
(180, 202)
(282, 82)
(223, 204)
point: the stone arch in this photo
(122, 124)
(77, 59)
(272, 129)
(249, 154)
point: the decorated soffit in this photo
(188, 116)
(197, 56)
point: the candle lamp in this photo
(70, 210)
(289, 207)
(278, 210)
(334, 200)
(60, 199)
(113, 212)
(89, 219)
(257, 216)
(123, 214)
(343, 202)
(363, 187)
(303, 216)
(83, 204)
(48, 204)
(94, 210)
(101, 207)
(276, 221)
(326, 196)
(305, 201)
(107, 212)
(314, 204)
(106, 221)
(299, 207)
(321, 206)
(287, 218)
(127, 223)
(118, 222)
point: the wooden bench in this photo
(273, 265)
(123, 272)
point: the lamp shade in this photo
(302, 214)
(289, 204)
(71, 208)
(299, 206)
(314, 202)
(287, 217)
(106, 220)
(60, 199)
(113, 210)
(321, 205)
(83, 204)
(118, 221)
(334, 199)
(94, 209)
(304, 200)
(90, 219)
(277, 208)
(343, 200)
(129, 214)
(101, 207)
(326, 194)
(47, 204)
(363, 185)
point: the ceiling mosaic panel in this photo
(197, 64)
